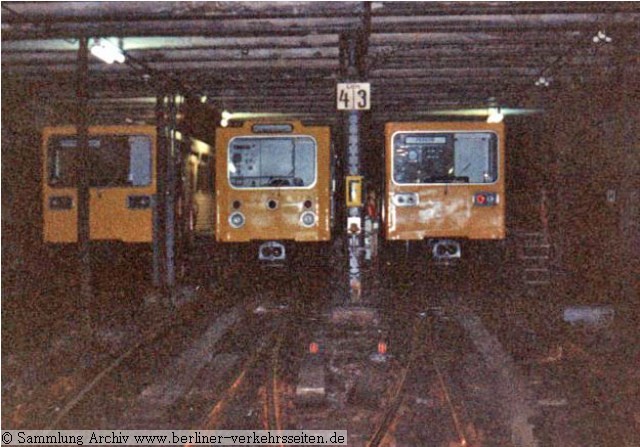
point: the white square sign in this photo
(354, 96)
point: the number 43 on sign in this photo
(354, 96)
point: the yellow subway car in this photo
(273, 186)
(122, 183)
(445, 182)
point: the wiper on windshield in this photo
(446, 179)
(270, 180)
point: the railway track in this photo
(243, 383)
(452, 424)
(391, 412)
(143, 385)
(140, 387)
(272, 412)
(148, 338)
(257, 394)
(421, 392)
(92, 384)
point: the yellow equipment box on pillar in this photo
(354, 190)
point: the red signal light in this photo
(481, 199)
(382, 347)
(314, 348)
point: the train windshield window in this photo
(268, 162)
(116, 160)
(454, 157)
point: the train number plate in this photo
(354, 96)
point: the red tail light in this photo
(485, 199)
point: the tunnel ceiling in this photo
(286, 56)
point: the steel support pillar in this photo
(170, 196)
(164, 215)
(83, 167)
(354, 213)
(355, 240)
(158, 202)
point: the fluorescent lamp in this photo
(495, 115)
(107, 52)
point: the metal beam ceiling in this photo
(285, 56)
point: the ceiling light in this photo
(243, 116)
(601, 36)
(542, 82)
(495, 115)
(107, 51)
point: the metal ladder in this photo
(535, 255)
(535, 251)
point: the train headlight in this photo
(308, 219)
(236, 220)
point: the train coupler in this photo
(446, 251)
(272, 251)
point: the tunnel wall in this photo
(21, 177)
(594, 185)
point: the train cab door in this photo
(122, 192)
(122, 184)
(60, 195)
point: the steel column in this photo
(83, 167)
(164, 274)
(170, 190)
(159, 196)
(352, 126)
